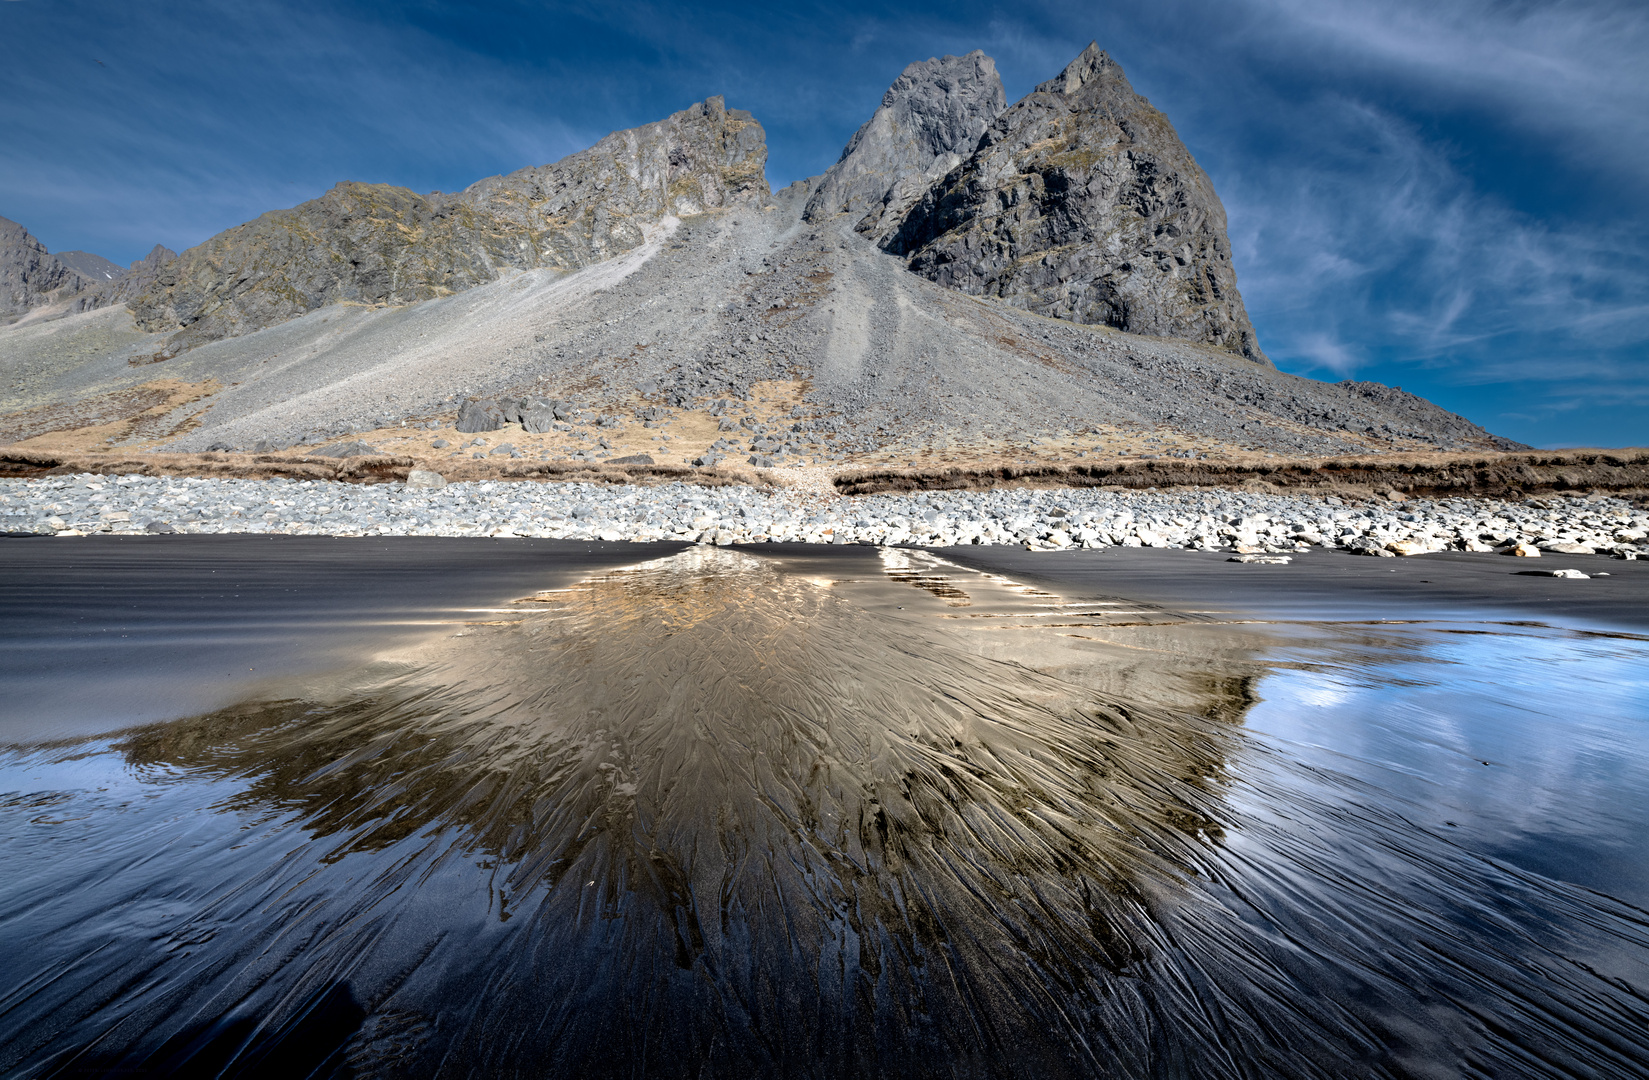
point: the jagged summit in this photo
(1082, 203)
(929, 119)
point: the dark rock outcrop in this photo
(378, 244)
(1081, 203)
(929, 120)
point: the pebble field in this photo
(1206, 520)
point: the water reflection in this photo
(722, 814)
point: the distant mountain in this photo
(68, 282)
(91, 267)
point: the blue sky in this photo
(1447, 195)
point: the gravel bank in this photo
(1050, 519)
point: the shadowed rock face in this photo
(929, 120)
(1081, 203)
(378, 244)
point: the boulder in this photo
(480, 414)
(424, 478)
(538, 418)
(632, 459)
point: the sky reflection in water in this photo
(722, 814)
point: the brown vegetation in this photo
(1435, 475)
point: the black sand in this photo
(1323, 584)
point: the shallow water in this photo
(723, 814)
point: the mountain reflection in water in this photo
(734, 815)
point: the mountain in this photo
(1005, 282)
(1081, 203)
(378, 244)
(32, 280)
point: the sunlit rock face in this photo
(380, 244)
(1081, 203)
(928, 121)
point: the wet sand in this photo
(1326, 584)
(826, 812)
(119, 631)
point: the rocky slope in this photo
(1081, 203)
(129, 284)
(377, 244)
(929, 120)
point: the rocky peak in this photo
(380, 244)
(1082, 203)
(30, 276)
(929, 120)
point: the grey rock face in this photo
(1081, 203)
(378, 244)
(134, 281)
(539, 418)
(30, 277)
(929, 120)
(480, 415)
